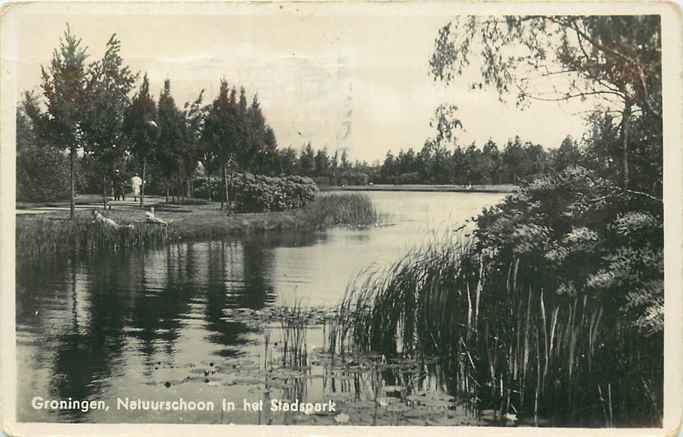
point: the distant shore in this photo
(503, 188)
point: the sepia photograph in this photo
(341, 214)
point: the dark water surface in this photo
(165, 323)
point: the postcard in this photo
(322, 218)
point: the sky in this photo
(351, 81)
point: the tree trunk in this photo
(72, 203)
(142, 185)
(189, 187)
(625, 131)
(104, 191)
(225, 186)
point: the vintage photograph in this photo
(300, 214)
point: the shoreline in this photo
(44, 231)
(503, 188)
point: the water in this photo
(160, 324)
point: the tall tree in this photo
(108, 85)
(614, 58)
(567, 155)
(221, 133)
(307, 160)
(64, 89)
(141, 127)
(171, 139)
(193, 116)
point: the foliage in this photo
(64, 86)
(42, 175)
(614, 60)
(108, 83)
(41, 237)
(257, 193)
(350, 209)
(553, 309)
(582, 234)
(140, 121)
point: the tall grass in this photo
(44, 236)
(504, 341)
(352, 209)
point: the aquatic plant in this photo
(40, 236)
(346, 209)
(548, 312)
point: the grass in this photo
(351, 209)
(506, 343)
(41, 235)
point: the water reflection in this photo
(92, 311)
(103, 326)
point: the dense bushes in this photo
(256, 193)
(554, 309)
(42, 175)
(581, 234)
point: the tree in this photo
(221, 133)
(614, 58)
(287, 161)
(193, 116)
(388, 171)
(491, 156)
(446, 123)
(42, 171)
(567, 155)
(171, 139)
(322, 163)
(141, 127)
(64, 89)
(108, 84)
(344, 162)
(307, 161)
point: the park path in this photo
(115, 204)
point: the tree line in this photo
(92, 111)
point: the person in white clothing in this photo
(136, 183)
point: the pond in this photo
(202, 321)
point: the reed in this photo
(504, 340)
(40, 237)
(348, 209)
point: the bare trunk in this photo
(625, 131)
(142, 185)
(104, 191)
(72, 203)
(225, 186)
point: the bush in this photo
(554, 309)
(581, 234)
(256, 193)
(42, 175)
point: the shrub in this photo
(42, 175)
(553, 309)
(257, 193)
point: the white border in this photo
(672, 49)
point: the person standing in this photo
(136, 183)
(116, 184)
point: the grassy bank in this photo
(503, 188)
(552, 311)
(44, 234)
(525, 352)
